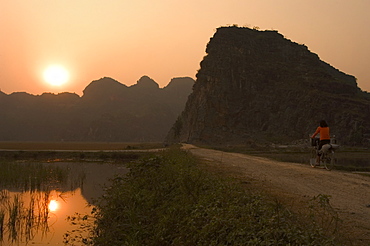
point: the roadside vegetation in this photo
(168, 199)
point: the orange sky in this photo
(163, 39)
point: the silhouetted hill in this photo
(2, 94)
(103, 88)
(107, 111)
(173, 92)
(257, 86)
(145, 83)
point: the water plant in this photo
(20, 220)
(30, 176)
(14, 220)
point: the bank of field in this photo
(169, 199)
(34, 146)
(75, 151)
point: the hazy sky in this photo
(164, 38)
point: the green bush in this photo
(168, 200)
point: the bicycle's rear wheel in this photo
(330, 160)
(313, 157)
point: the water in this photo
(350, 161)
(39, 201)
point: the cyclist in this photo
(324, 131)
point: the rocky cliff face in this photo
(107, 111)
(257, 86)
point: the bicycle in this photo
(327, 158)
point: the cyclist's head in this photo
(323, 123)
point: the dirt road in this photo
(295, 183)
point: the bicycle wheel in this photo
(313, 157)
(330, 160)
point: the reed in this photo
(20, 221)
(30, 176)
(14, 218)
(30, 219)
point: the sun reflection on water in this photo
(53, 205)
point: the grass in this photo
(30, 176)
(168, 200)
(20, 220)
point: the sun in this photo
(56, 75)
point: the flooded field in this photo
(345, 160)
(39, 202)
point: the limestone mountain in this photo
(257, 86)
(107, 111)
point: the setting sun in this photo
(56, 75)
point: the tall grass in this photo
(168, 200)
(30, 176)
(14, 220)
(21, 221)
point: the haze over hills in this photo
(257, 86)
(107, 111)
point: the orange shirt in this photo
(324, 133)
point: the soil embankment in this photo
(294, 184)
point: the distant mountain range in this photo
(107, 111)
